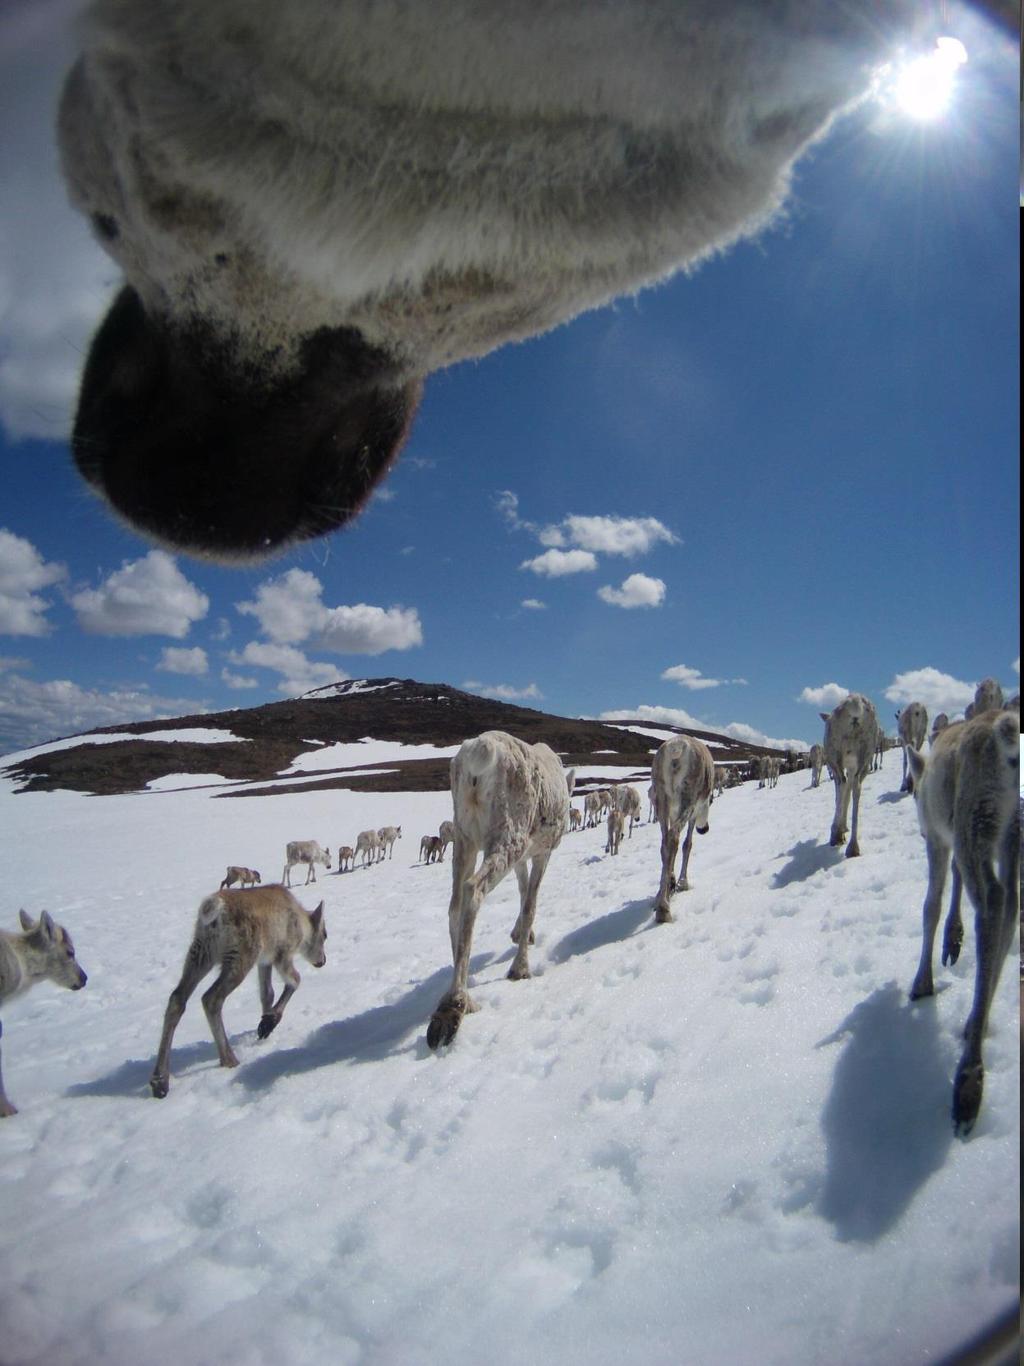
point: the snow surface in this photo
(724, 1140)
(366, 751)
(204, 735)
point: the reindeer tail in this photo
(210, 909)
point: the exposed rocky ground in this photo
(273, 736)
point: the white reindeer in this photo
(627, 800)
(387, 835)
(42, 952)
(684, 775)
(236, 930)
(307, 852)
(817, 763)
(851, 735)
(368, 844)
(318, 213)
(591, 809)
(967, 794)
(446, 834)
(510, 802)
(912, 728)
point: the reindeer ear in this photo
(27, 923)
(823, 715)
(47, 926)
(317, 916)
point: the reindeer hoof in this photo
(444, 1025)
(853, 851)
(159, 1086)
(267, 1025)
(663, 916)
(967, 1089)
(7, 1109)
(951, 944)
(517, 974)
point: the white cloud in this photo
(1015, 666)
(237, 681)
(23, 572)
(147, 597)
(54, 279)
(553, 564)
(828, 695)
(670, 716)
(938, 691)
(676, 716)
(534, 604)
(639, 590)
(298, 674)
(366, 630)
(178, 660)
(503, 691)
(32, 713)
(690, 678)
(627, 536)
(290, 609)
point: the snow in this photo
(200, 735)
(721, 1140)
(366, 751)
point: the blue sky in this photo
(791, 473)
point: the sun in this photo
(924, 87)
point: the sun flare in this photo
(924, 87)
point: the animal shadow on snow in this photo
(362, 1038)
(132, 1077)
(806, 858)
(886, 1121)
(374, 1034)
(888, 798)
(606, 929)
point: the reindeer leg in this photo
(683, 883)
(233, 972)
(938, 865)
(520, 965)
(272, 1011)
(522, 877)
(953, 933)
(669, 849)
(993, 909)
(853, 848)
(468, 894)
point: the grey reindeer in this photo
(235, 930)
(43, 952)
(966, 792)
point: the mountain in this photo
(258, 745)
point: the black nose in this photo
(79, 985)
(223, 458)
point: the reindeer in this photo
(912, 729)
(248, 877)
(851, 736)
(967, 795)
(684, 775)
(307, 852)
(43, 952)
(236, 930)
(510, 801)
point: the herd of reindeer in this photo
(512, 804)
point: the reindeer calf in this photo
(238, 930)
(44, 952)
(248, 877)
(616, 824)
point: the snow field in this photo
(724, 1139)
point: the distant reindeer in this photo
(248, 877)
(236, 930)
(967, 794)
(912, 729)
(431, 849)
(307, 852)
(851, 737)
(575, 818)
(387, 835)
(346, 858)
(446, 834)
(42, 953)
(616, 823)
(817, 762)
